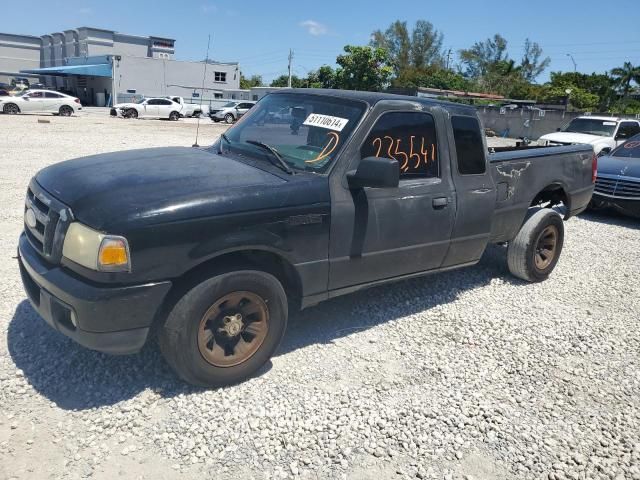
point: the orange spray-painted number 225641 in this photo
(410, 160)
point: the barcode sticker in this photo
(326, 121)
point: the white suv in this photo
(604, 133)
(231, 111)
(40, 101)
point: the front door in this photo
(381, 233)
(150, 108)
(33, 102)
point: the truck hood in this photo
(115, 191)
(569, 137)
(624, 166)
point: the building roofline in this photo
(19, 35)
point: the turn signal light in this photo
(113, 255)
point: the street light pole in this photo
(575, 66)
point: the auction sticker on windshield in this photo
(609, 124)
(326, 121)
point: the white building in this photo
(91, 62)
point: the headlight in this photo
(95, 250)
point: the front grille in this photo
(52, 221)
(616, 186)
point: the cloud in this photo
(209, 8)
(314, 28)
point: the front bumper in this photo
(625, 206)
(113, 320)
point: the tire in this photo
(542, 232)
(196, 114)
(229, 118)
(65, 111)
(174, 116)
(11, 109)
(131, 113)
(197, 340)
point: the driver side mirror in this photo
(621, 136)
(558, 129)
(376, 172)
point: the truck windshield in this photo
(307, 131)
(592, 126)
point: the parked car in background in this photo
(149, 108)
(40, 101)
(231, 111)
(618, 182)
(190, 109)
(604, 133)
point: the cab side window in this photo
(469, 145)
(409, 138)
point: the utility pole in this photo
(290, 59)
(448, 58)
(575, 66)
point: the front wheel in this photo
(131, 113)
(229, 118)
(224, 329)
(11, 109)
(535, 251)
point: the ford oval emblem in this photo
(30, 218)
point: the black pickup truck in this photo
(211, 248)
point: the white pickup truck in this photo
(604, 133)
(190, 109)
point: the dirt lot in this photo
(468, 374)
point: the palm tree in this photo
(623, 76)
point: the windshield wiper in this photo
(281, 163)
(226, 139)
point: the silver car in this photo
(230, 112)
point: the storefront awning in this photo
(96, 70)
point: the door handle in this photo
(440, 203)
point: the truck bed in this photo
(561, 172)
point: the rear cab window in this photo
(409, 138)
(469, 145)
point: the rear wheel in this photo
(229, 118)
(65, 111)
(224, 329)
(174, 116)
(535, 251)
(11, 109)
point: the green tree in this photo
(600, 85)
(419, 48)
(624, 76)
(283, 81)
(253, 81)
(363, 68)
(532, 63)
(324, 77)
(482, 56)
(433, 77)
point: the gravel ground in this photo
(468, 374)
